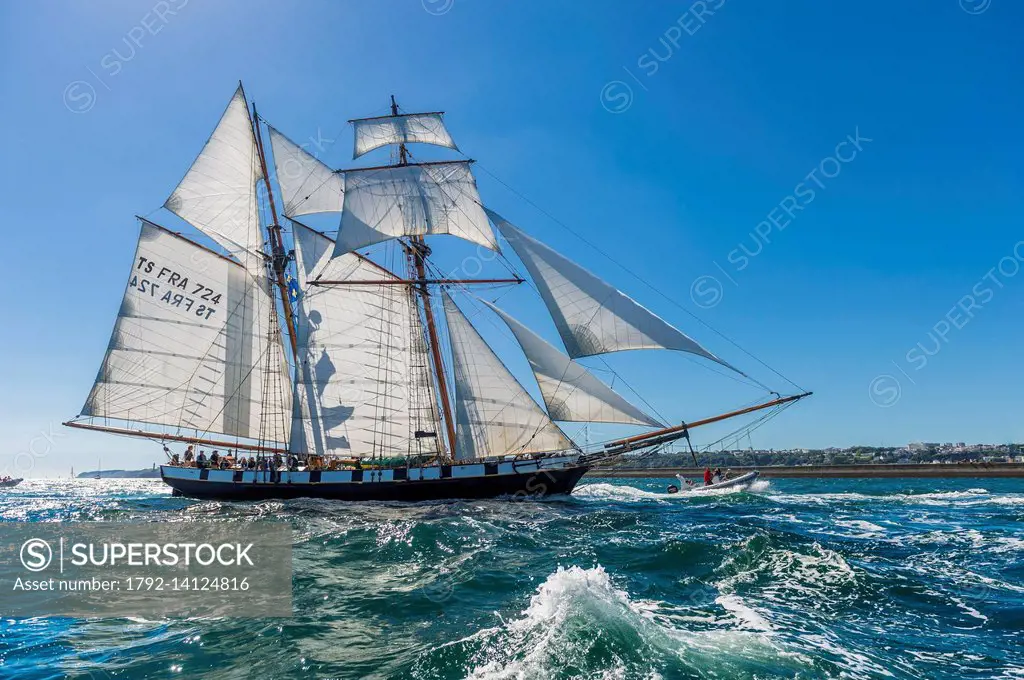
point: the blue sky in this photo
(666, 138)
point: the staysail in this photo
(570, 391)
(494, 414)
(307, 184)
(218, 193)
(410, 200)
(194, 346)
(363, 387)
(592, 316)
(410, 128)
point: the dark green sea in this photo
(795, 579)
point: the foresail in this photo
(218, 193)
(307, 184)
(570, 391)
(190, 346)
(592, 316)
(494, 414)
(361, 389)
(424, 128)
(407, 200)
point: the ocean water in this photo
(793, 579)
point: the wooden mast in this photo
(419, 250)
(279, 257)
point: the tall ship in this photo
(276, 360)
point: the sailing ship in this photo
(384, 389)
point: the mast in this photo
(279, 257)
(418, 250)
(403, 154)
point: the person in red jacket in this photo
(707, 476)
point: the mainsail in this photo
(307, 184)
(570, 391)
(195, 346)
(494, 414)
(592, 316)
(410, 200)
(364, 388)
(424, 128)
(218, 193)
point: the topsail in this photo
(218, 193)
(193, 346)
(412, 200)
(591, 316)
(425, 128)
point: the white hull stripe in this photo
(365, 476)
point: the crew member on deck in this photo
(201, 459)
(707, 476)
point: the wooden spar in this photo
(417, 250)
(411, 165)
(280, 259)
(682, 429)
(174, 437)
(188, 241)
(392, 282)
(397, 115)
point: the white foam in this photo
(746, 616)
(791, 573)
(622, 493)
(561, 625)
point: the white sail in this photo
(570, 391)
(307, 184)
(361, 390)
(494, 414)
(424, 128)
(218, 193)
(406, 200)
(592, 316)
(195, 346)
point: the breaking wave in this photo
(579, 624)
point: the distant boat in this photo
(11, 482)
(744, 480)
(99, 468)
(360, 403)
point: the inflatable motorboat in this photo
(743, 480)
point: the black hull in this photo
(532, 484)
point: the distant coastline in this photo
(974, 469)
(148, 473)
